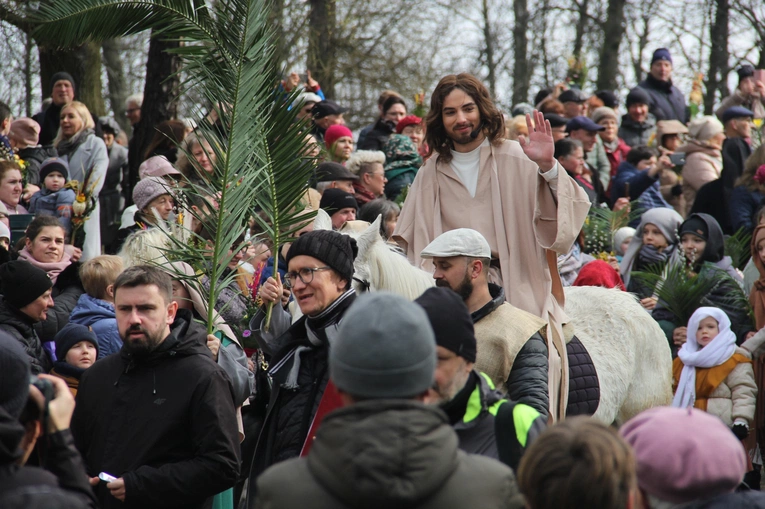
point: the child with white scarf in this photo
(712, 374)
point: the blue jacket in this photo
(667, 102)
(744, 205)
(98, 315)
(56, 203)
(642, 187)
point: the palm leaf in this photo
(602, 223)
(228, 55)
(738, 247)
(682, 293)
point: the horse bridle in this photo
(365, 285)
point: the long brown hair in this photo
(492, 119)
(751, 164)
(167, 136)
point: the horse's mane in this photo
(390, 271)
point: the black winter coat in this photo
(735, 152)
(49, 120)
(66, 293)
(667, 102)
(165, 423)
(63, 486)
(377, 137)
(20, 326)
(34, 157)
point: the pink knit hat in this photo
(156, 166)
(334, 133)
(25, 132)
(684, 454)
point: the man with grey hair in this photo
(368, 166)
(133, 108)
(386, 447)
(512, 349)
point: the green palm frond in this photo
(602, 223)
(228, 55)
(681, 292)
(738, 247)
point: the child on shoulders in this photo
(53, 198)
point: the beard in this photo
(464, 289)
(461, 139)
(141, 347)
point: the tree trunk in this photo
(84, 64)
(489, 50)
(761, 63)
(28, 48)
(521, 71)
(613, 33)
(581, 26)
(321, 49)
(160, 100)
(718, 56)
(118, 89)
(281, 52)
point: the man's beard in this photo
(464, 289)
(144, 346)
(460, 139)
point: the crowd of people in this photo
(310, 393)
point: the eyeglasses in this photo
(131, 110)
(305, 274)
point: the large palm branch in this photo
(228, 54)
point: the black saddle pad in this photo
(583, 384)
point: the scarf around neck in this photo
(53, 269)
(68, 147)
(719, 350)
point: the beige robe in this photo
(525, 225)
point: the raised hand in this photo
(539, 147)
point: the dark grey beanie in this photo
(385, 349)
(335, 249)
(14, 375)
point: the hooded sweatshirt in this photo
(164, 422)
(383, 454)
(98, 315)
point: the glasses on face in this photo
(131, 110)
(305, 274)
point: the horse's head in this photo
(366, 236)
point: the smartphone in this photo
(759, 75)
(677, 158)
(106, 477)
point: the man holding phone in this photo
(750, 93)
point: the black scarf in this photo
(649, 255)
(665, 86)
(70, 146)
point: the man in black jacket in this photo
(62, 92)
(511, 348)
(159, 416)
(25, 302)
(63, 483)
(486, 423)
(736, 148)
(667, 102)
(320, 272)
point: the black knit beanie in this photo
(54, 164)
(14, 376)
(335, 249)
(22, 282)
(451, 322)
(696, 226)
(62, 76)
(333, 200)
(70, 335)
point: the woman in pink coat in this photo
(703, 161)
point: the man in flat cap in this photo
(326, 113)
(737, 147)
(514, 193)
(331, 175)
(750, 93)
(512, 349)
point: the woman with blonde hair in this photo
(77, 143)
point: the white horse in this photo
(627, 346)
